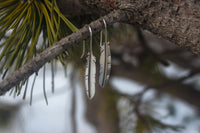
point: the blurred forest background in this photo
(153, 88)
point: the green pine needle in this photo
(26, 21)
(22, 23)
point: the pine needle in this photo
(25, 90)
(44, 88)
(52, 77)
(31, 98)
(25, 21)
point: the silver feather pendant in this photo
(90, 71)
(105, 59)
(105, 64)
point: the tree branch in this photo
(48, 54)
(174, 21)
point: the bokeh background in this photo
(153, 88)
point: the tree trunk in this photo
(174, 20)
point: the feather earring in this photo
(90, 71)
(105, 58)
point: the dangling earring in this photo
(90, 71)
(105, 58)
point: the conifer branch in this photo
(33, 65)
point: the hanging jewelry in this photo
(105, 58)
(90, 71)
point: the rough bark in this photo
(175, 20)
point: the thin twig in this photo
(138, 97)
(174, 82)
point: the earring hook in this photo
(90, 30)
(106, 34)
